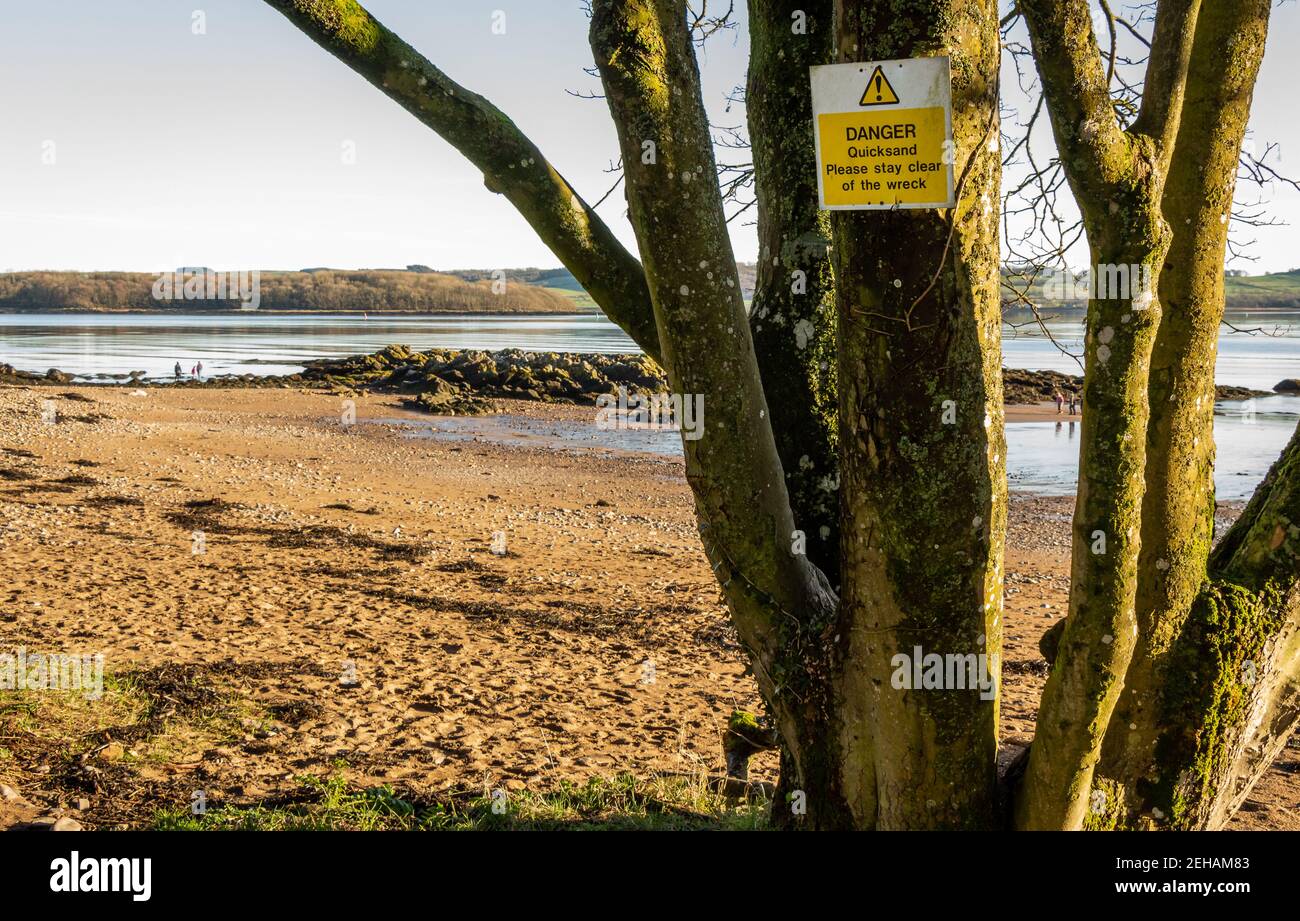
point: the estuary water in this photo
(250, 342)
(1042, 457)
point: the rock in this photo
(10, 795)
(448, 400)
(1037, 386)
(1290, 385)
(1050, 641)
(51, 823)
(1229, 392)
(450, 382)
(57, 376)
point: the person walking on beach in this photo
(1058, 400)
(179, 371)
(1074, 402)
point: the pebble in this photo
(52, 823)
(113, 751)
(10, 795)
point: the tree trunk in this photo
(922, 453)
(793, 312)
(782, 605)
(1178, 506)
(1117, 179)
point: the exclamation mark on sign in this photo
(878, 92)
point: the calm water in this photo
(255, 343)
(1043, 458)
(1255, 361)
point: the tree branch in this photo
(512, 165)
(1166, 76)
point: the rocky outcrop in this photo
(10, 375)
(465, 382)
(1037, 386)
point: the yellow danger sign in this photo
(883, 133)
(878, 91)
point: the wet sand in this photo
(350, 607)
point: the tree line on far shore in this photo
(323, 290)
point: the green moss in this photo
(349, 22)
(1214, 669)
(1106, 807)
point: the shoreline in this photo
(458, 381)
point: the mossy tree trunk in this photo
(1259, 561)
(1177, 528)
(1117, 177)
(927, 572)
(922, 451)
(792, 317)
(782, 605)
(792, 320)
(1175, 683)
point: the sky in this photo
(129, 142)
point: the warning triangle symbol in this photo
(878, 91)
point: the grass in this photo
(582, 301)
(119, 749)
(1281, 290)
(61, 715)
(623, 802)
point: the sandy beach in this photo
(290, 596)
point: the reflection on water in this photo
(260, 343)
(1043, 458)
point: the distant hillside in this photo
(419, 289)
(1280, 291)
(315, 289)
(562, 280)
